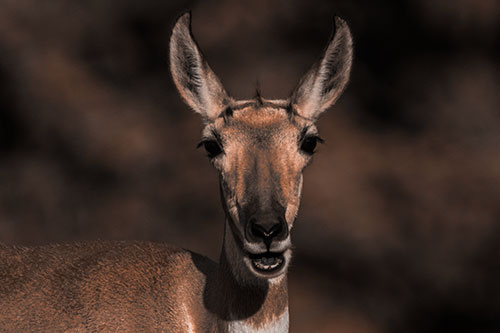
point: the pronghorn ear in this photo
(326, 80)
(196, 82)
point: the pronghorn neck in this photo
(248, 304)
(260, 148)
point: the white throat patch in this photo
(279, 325)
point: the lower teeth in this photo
(270, 263)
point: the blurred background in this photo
(399, 229)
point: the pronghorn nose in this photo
(267, 230)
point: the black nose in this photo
(267, 230)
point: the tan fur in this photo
(143, 287)
(268, 134)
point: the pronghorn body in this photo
(260, 148)
(126, 287)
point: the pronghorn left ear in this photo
(326, 80)
(196, 82)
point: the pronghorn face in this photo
(260, 150)
(260, 147)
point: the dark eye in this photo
(309, 144)
(212, 147)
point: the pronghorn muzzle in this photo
(266, 228)
(266, 237)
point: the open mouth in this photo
(268, 262)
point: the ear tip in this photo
(337, 19)
(183, 21)
(340, 23)
(341, 30)
(186, 15)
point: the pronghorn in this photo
(260, 148)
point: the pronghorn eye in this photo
(212, 147)
(309, 144)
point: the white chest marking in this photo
(280, 325)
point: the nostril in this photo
(266, 233)
(275, 230)
(256, 230)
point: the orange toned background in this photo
(400, 220)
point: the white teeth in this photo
(263, 266)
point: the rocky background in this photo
(399, 229)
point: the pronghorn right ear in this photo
(196, 82)
(326, 80)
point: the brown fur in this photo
(124, 286)
(269, 134)
(140, 286)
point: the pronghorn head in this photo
(260, 147)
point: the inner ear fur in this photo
(195, 81)
(324, 82)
